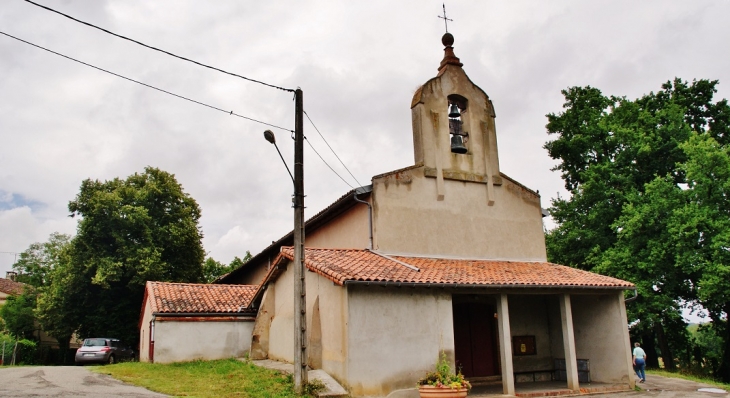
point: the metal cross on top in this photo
(445, 19)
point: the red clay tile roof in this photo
(10, 287)
(348, 265)
(169, 297)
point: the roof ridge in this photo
(197, 284)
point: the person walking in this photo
(639, 360)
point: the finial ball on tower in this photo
(447, 39)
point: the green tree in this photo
(57, 309)
(39, 259)
(35, 267)
(17, 314)
(129, 232)
(238, 262)
(621, 162)
(702, 228)
(708, 349)
(213, 269)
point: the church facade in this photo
(446, 256)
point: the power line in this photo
(196, 102)
(157, 49)
(333, 151)
(328, 165)
(231, 113)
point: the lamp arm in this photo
(285, 165)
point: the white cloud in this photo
(19, 227)
(230, 244)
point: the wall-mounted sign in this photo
(523, 345)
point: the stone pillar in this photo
(505, 345)
(571, 363)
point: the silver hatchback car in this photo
(103, 350)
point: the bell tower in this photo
(454, 134)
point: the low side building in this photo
(187, 321)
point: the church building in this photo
(447, 255)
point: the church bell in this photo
(454, 111)
(457, 144)
(457, 137)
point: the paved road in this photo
(75, 381)
(64, 381)
(665, 387)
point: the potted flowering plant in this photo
(443, 383)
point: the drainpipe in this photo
(370, 213)
(152, 339)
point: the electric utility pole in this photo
(300, 298)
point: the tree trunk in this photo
(647, 343)
(63, 345)
(724, 372)
(667, 356)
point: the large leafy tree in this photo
(39, 259)
(702, 228)
(625, 163)
(130, 231)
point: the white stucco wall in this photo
(144, 332)
(529, 316)
(409, 219)
(601, 334)
(187, 341)
(281, 336)
(395, 337)
(328, 338)
(349, 230)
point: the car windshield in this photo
(94, 342)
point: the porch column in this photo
(505, 345)
(571, 365)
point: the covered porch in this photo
(542, 342)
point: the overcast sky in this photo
(358, 62)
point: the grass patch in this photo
(678, 375)
(221, 378)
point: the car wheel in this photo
(111, 361)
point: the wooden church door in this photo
(475, 347)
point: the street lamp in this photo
(300, 291)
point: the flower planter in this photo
(442, 392)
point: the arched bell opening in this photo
(457, 106)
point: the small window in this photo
(94, 343)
